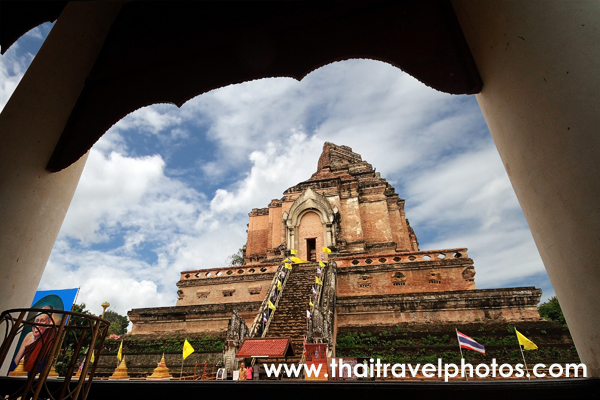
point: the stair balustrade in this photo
(322, 322)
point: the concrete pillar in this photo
(33, 201)
(540, 64)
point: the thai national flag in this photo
(265, 318)
(468, 343)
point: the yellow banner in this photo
(526, 343)
(120, 353)
(294, 251)
(279, 285)
(322, 264)
(326, 250)
(318, 281)
(187, 349)
(298, 260)
(288, 266)
(271, 305)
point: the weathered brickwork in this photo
(224, 285)
(514, 304)
(210, 318)
(258, 232)
(383, 277)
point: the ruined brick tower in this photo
(380, 276)
(345, 205)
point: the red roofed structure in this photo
(266, 348)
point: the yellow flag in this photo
(322, 264)
(92, 358)
(279, 285)
(187, 349)
(298, 260)
(318, 280)
(294, 251)
(271, 305)
(326, 250)
(310, 303)
(120, 353)
(526, 343)
(288, 266)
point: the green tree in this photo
(118, 323)
(237, 258)
(551, 310)
(71, 338)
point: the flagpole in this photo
(460, 349)
(522, 354)
(181, 373)
(76, 296)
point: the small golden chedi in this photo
(121, 371)
(161, 371)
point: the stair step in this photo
(290, 317)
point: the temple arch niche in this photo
(306, 208)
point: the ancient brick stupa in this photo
(161, 371)
(382, 276)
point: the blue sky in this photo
(169, 189)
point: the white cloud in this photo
(151, 119)
(17, 59)
(277, 167)
(12, 69)
(470, 202)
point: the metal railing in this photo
(31, 343)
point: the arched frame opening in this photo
(541, 112)
(310, 202)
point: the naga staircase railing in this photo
(259, 326)
(237, 329)
(322, 321)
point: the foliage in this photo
(236, 259)
(118, 323)
(62, 364)
(551, 311)
(423, 347)
(71, 338)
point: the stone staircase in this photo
(290, 317)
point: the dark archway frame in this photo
(170, 52)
